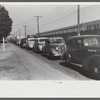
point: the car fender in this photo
(51, 50)
(64, 55)
(88, 60)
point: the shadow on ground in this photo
(78, 69)
(54, 58)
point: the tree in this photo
(5, 22)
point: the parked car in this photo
(18, 41)
(54, 47)
(39, 43)
(23, 42)
(30, 43)
(84, 51)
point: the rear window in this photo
(42, 40)
(92, 42)
(57, 41)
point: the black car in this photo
(54, 47)
(84, 51)
(23, 42)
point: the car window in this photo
(92, 42)
(31, 40)
(47, 41)
(69, 43)
(57, 41)
(42, 40)
(79, 43)
(36, 40)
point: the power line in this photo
(23, 23)
(58, 14)
(56, 19)
(67, 15)
(60, 18)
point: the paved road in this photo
(25, 64)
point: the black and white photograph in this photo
(49, 41)
(49, 49)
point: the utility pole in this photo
(78, 20)
(38, 23)
(19, 35)
(25, 30)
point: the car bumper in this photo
(40, 48)
(57, 54)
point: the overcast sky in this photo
(54, 15)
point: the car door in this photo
(47, 46)
(90, 47)
(77, 51)
(35, 43)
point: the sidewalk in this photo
(7, 53)
(10, 67)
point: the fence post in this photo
(3, 44)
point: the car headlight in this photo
(57, 48)
(40, 46)
(53, 51)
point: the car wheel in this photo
(43, 50)
(94, 68)
(33, 49)
(22, 45)
(68, 58)
(38, 50)
(51, 56)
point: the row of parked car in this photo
(83, 51)
(53, 46)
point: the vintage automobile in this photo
(54, 47)
(84, 51)
(38, 44)
(17, 42)
(23, 42)
(30, 43)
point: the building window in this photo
(97, 26)
(89, 27)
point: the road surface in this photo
(22, 64)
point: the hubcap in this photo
(69, 56)
(96, 70)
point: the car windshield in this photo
(57, 41)
(42, 40)
(92, 42)
(31, 40)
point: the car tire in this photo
(33, 49)
(68, 58)
(92, 65)
(43, 50)
(38, 50)
(22, 45)
(94, 68)
(51, 56)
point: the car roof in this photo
(31, 38)
(55, 38)
(41, 38)
(83, 36)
